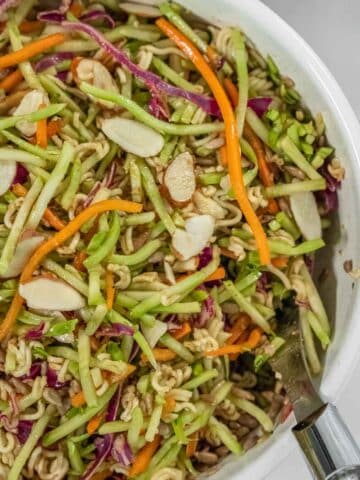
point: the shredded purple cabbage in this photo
(121, 451)
(263, 282)
(153, 81)
(328, 198)
(207, 312)
(104, 444)
(205, 257)
(35, 333)
(52, 60)
(114, 405)
(6, 4)
(115, 330)
(103, 448)
(260, 105)
(94, 15)
(63, 75)
(135, 350)
(51, 16)
(35, 371)
(158, 107)
(53, 381)
(24, 430)
(21, 174)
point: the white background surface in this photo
(332, 28)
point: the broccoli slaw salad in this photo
(163, 191)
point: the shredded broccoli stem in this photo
(154, 195)
(261, 416)
(25, 67)
(175, 77)
(47, 154)
(147, 119)
(184, 286)
(73, 280)
(75, 179)
(87, 383)
(226, 436)
(177, 347)
(11, 154)
(309, 344)
(247, 307)
(9, 122)
(108, 245)
(79, 419)
(180, 23)
(140, 256)
(18, 225)
(240, 56)
(279, 247)
(291, 151)
(56, 177)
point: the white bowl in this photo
(322, 94)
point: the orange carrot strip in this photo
(102, 475)
(238, 328)
(11, 81)
(191, 447)
(30, 26)
(223, 155)
(41, 132)
(265, 174)
(26, 26)
(73, 68)
(79, 259)
(219, 274)
(110, 290)
(76, 9)
(49, 215)
(280, 262)
(144, 456)
(31, 49)
(250, 344)
(54, 242)
(232, 92)
(182, 332)
(78, 400)
(119, 377)
(160, 354)
(169, 406)
(94, 423)
(94, 343)
(231, 134)
(228, 253)
(54, 127)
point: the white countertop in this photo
(331, 27)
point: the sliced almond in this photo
(44, 293)
(133, 136)
(154, 333)
(208, 206)
(191, 241)
(95, 73)
(179, 179)
(7, 175)
(30, 103)
(25, 248)
(304, 208)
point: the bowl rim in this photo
(347, 123)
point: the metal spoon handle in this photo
(328, 446)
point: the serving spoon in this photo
(326, 442)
